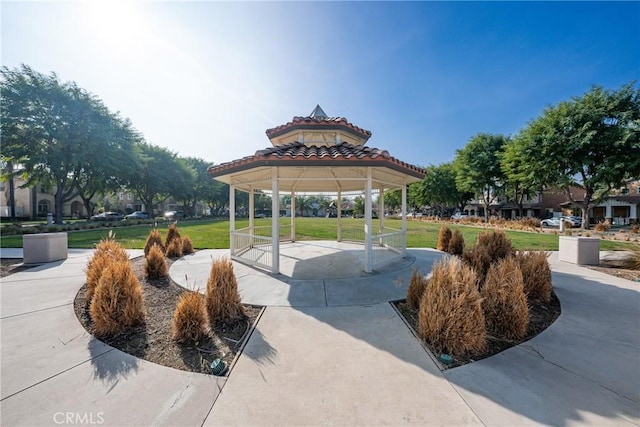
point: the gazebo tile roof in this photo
(297, 152)
(317, 122)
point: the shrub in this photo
(632, 259)
(190, 318)
(222, 298)
(117, 303)
(603, 226)
(107, 252)
(155, 265)
(154, 238)
(456, 244)
(479, 259)
(417, 285)
(496, 243)
(536, 275)
(174, 248)
(450, 318)
(490, 247)
(504, 302)
(635, 229)
(443, 238)
(172, 234)
(187, 246)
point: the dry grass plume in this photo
(189, 319)
(450, 318)
(504, 302)
(222, 297)
(117, 302)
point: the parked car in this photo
(137, 215)
(174, 215)
(259, 215)
(575, 221)
(459, 215)
(550, 222)
(107, 216)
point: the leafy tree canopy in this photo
(592, 141)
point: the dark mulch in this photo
(11, 265)
(541, 316)
(152, 340)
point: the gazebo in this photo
(316, 154)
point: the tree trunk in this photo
(58, 206)
(148, 204)
(12, 194)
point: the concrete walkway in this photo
(324, 364)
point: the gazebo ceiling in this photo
(311, 168)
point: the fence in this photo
(255, 248)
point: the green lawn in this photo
(213, 234)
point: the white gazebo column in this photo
(404, 220)
(251, 213)
(232, 217)
(381, 212)
(293, 215)
(339, 215)
(275, 222)
(368, 250)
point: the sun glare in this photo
(119, 24)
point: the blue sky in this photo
(206, 79)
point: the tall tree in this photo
(158, 175)
(478, 168)
(439, 188)
(591, 141)
(518, 184)
(57, 132)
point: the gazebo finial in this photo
(318, 113)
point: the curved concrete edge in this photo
(54, 372)
(258, 287)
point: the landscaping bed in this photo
(152, 340)
(541, 316)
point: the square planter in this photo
(44, 247)
(579, 250)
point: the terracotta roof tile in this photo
(297, 153)
(313, 122)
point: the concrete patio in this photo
(326, 351)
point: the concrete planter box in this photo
(44, 247)
(580, 250)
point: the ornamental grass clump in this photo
(107, 252)
(222, 298)
(456, 243)
(117, 304)
(154, 238)
(631, 260)
(187, 246)
(155, 264)
(172, 234)
(417, 285)
(174, 248)
(444, 235)
(450, 318)
(189, 319)
(489, 248)
(504, 302)
(536, 275)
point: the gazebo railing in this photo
(251, 248)
(387, 246)
(256, 248)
